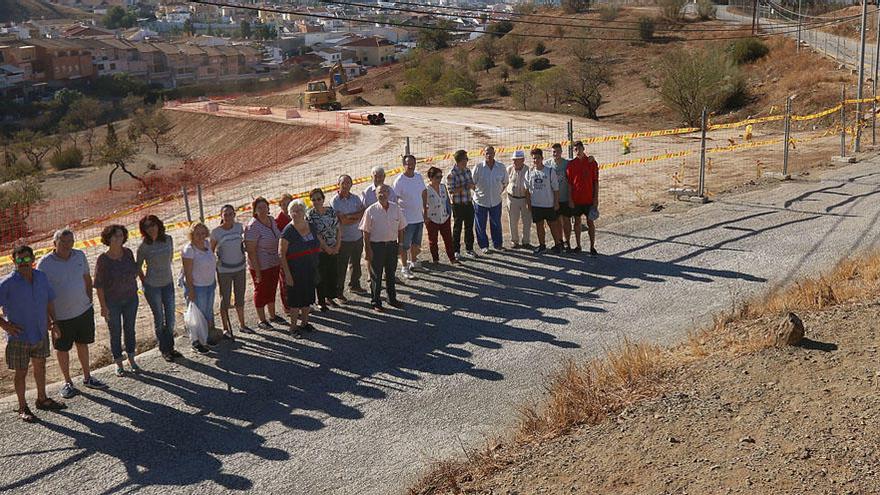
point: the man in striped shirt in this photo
(460, 183)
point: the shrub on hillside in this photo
(514, 61)
(747, 50)
(647, 25)
(672, 9)
(499, 29)
(575, 6)
(459, 97)
(706, 9)
(483, 62)
(411, 96)
(67, 158)
(539, 64)
(697, 79)
(502, 90)
(539, 49)
(609, 12)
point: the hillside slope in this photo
(633, 100)
(22, 10)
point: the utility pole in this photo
(799, 27)
(861, 85)
(877, 53)
(754, 17)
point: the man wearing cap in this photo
(68, 272)
(517, 209)
(490, 179)
(28, 315)
(369, 194)
(583, 176)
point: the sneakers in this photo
(593, 252)
(94, 383)
(557, 249)
(67, 390)
(264, 325)
(396, 304)
(576, 249)
(176, 354)
(279, 320)
(417, 265)
(406, 273)
(201, 349)
(358, 290)
(469, 254)
(540, 249)
(247, 330)
(167, 357)
(515, 245)
(120, 371)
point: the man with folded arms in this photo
(28, 315)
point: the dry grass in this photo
(587, 394)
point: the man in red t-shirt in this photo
(583, 181)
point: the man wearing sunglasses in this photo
(28, 315)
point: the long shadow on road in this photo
(358, 357)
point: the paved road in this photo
(840, 48)
(363, 405)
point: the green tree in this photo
(499, 29)
(118, 153)
(34, 145)
(117, 17)
(696, 79)
(151, 124)
(435, 39)
(583, 84)
(245, 28)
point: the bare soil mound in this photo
(221, 148)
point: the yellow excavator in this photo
(323, 96)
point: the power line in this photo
(473, 31)
(537, 23)
(524, 14)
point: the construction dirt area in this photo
(244, 153)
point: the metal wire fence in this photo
(639, 170)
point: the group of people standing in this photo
(309, 255)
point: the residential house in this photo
(372, 51)
(332, 55)
(84, 31)
(24, 57)
(62, 60)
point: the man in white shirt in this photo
(411, 198)
(68, 272)
(490, 179)
(383, 224)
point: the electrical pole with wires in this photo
(800, 2)
(861, 86)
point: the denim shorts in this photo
(412, 234)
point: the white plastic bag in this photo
(196, 324)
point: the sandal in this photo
(26, 415)
(50, 404)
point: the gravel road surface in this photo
(364, 404)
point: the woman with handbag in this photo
(200, 275)
(299, 248)
(437, 216)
